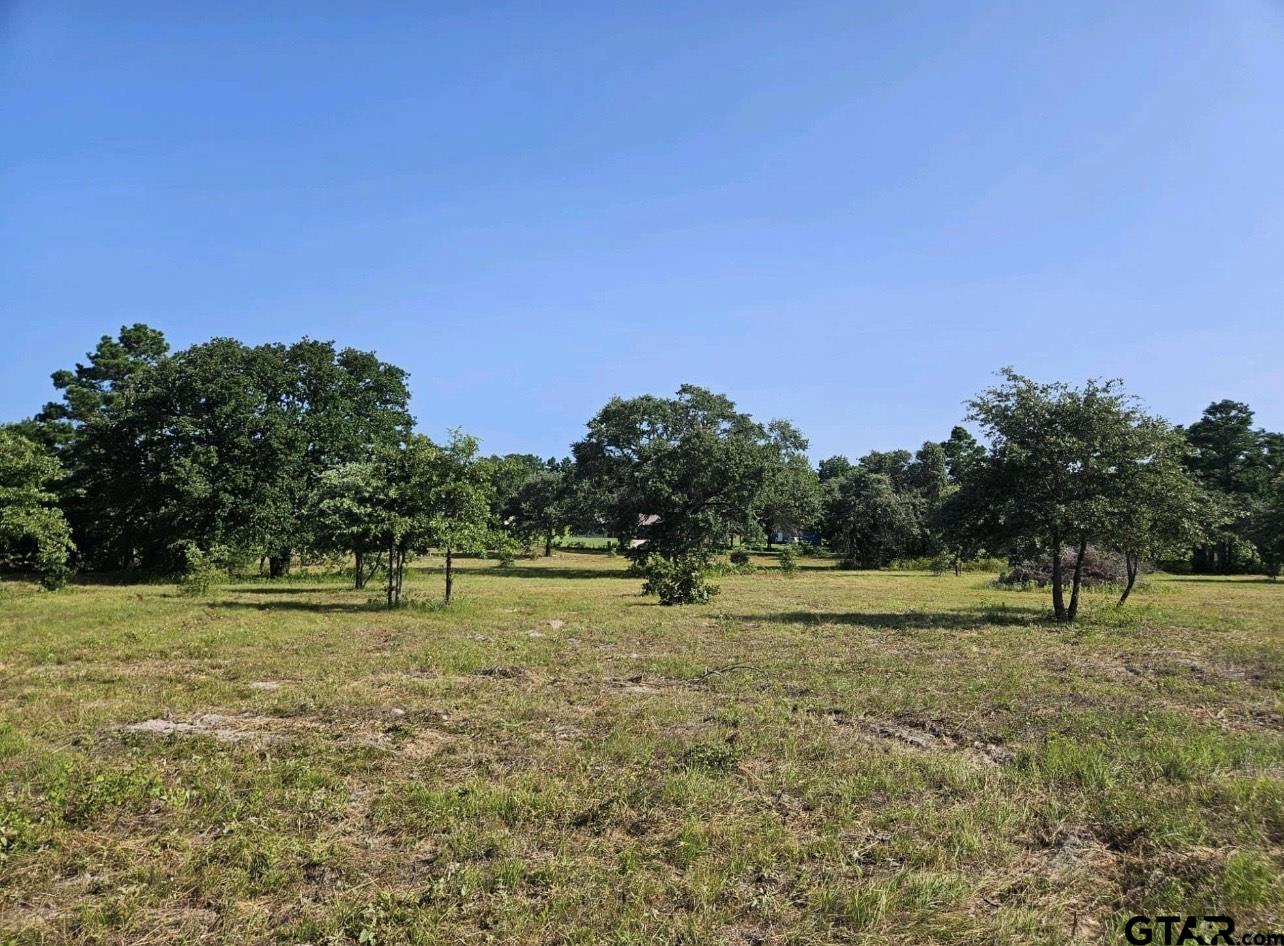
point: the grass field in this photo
(840, 757)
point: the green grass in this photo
(840, 757)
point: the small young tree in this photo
(33, 533)
(406, 500)
(454, 505)
(788, 560)
(347, 517)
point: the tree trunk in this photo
(391, 570)
(401, 571)
(372, 569)
(1130, 564)
(360, 576)
(450, 573)
(1199, 562)
(548, 544)
(279, 563)
(1073, 611)
(1058, 593)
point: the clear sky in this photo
(848, 214)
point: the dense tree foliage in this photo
(227, 455)
(789, 501)
(1265, 526)
(407, 499)
(545, 505)
(221, 444)
(1239, 465)
(1069, 467)
(868, 522)
(34, 535)
(679, 474)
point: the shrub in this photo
(677, 580)
(944, 562)
(737, 564)
(788, 559)
(198, 569)
(506, 549)
(1099, 569)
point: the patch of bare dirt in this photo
(1175, 663)
(502, 673)
(423, 744)
(636, 684)
(925, 736)
(255, 729)
(1076, 849)
(388, 730)
(1076, 857)
(1091, 665)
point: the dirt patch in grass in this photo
(1078, 849)
(924, 736)
(641, 683)
(387, 730)
(1175, 663)
(502, 673)
(415, 745)
(254, 729)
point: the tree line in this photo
(233, 456)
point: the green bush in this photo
(737, 563)
(198, 570)
(788, 559)
(505, 548)
(677, 581)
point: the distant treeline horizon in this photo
(165, 461)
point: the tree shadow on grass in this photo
(316, 607)
(287, 590)
(912, 620)
(527, 571)
(1227, 580)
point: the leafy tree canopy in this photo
(33, 532)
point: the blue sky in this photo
(847, 214)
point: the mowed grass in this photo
(838, 757)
